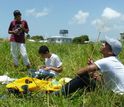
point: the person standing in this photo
(17, 29)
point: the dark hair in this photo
(16, 13)
(43, 49)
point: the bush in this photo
(81, 39)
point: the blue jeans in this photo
(41, 74)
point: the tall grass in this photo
(73, 57)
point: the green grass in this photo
(73, 57)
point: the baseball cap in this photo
(115, 45)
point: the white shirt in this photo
(53, 61)
(113, 73)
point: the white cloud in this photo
(109, 20)
(110, 13)
(100, 25)
(33, 12)
(122, 17)
(80, 17)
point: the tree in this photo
(122, 36)
(81, 39)
(37, 38)
(1, 39)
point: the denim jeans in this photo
(40, 74)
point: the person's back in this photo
(113, 71)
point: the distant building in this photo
(59, 39)
(45, 41)
(31, 40)
(122, 36)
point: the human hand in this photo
(41, 67)
(90, 61)
(15, 31)
(47, 68)
(21, 26)
(18, 29)
(96, 76)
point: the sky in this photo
(79, 17)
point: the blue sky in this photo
(47, 17)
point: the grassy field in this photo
(73, 57)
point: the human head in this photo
(44, 51)
(115, 44)
(111, 47)
(17, 14)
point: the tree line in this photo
(79, 40)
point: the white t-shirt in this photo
(113, 73)
(53, 61)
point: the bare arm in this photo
(56, 69)
(88, 69)
(11, 32)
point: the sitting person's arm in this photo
(96, 75)
(88, 69)
(41, 67)
(56, 69)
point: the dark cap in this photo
(17, 13)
